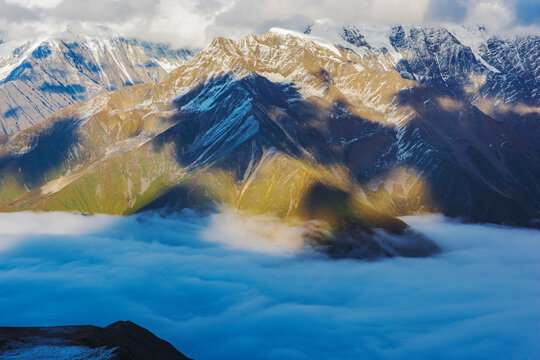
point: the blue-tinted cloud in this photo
(446, 11)
(528, 12)
(478, 300)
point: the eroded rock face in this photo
(122, 340)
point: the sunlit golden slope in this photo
(323, 72)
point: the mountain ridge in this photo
(281, 125)
(121, 340)
(43, 76)
(499, 75)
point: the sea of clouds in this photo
(222, 287)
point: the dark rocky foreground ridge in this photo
(122, 340)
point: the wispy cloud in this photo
(185, 279)
(195, 22)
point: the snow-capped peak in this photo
(318, 40)
(473, 37)
(374, 36)
(13, 53)
(281, 31)
(58, 71)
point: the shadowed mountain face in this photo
(230, 122)
(122, 340)
(459, 152)
(473, 165)
(281, 125)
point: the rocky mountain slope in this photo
(500, 76)
(42, 76)
(122, 340)
(287, 125)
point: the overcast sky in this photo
(194, 22)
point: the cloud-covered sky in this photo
(188, 280)
(194, 22)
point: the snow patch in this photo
(58, 352)
(319, 41)
(166, 65)
(10, 61)
(473, 37)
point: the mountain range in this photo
(342, 129)
(42, 76)
(500, 76)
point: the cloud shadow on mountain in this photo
(48, 151)
(474, 166)
(448, 147)
(228, 123)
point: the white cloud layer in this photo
(193, 23)
(177, 276)
(497, 15)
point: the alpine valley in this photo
(340, 129)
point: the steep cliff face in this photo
(282, 124)
(435, 57)
(43, 76)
